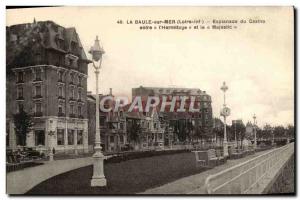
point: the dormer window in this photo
(71, 60)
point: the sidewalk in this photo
(19, 182)
(195, 184)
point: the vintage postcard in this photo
(150, 100)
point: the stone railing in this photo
(245, 177)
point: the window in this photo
(102, 121)
(38, 107)
(121, 126)
(79, 110)
(111, 139)
(38, 90)
(60, 109)
(38, 74)
(155, 125)
(20, 77)
(72, 109)
(20, 107)
(121, 113)
(79, 137)
(60, 136)
(160, 136)
(39, 137)
(79, 94)
(70, 137)
(60, 76)
(79, 80)
(71, 78)
(20, 92)
(121, 139)
(72, 93)
(60, 91)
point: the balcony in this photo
(80, 100)
(80, 85)
(61, 97)
(37, 80)
(20, 98)
(38, 96)
(72, 83)
(72, 99)
(60, 81)
(38, 114)
(72, 115)
(20, 82)
(61, 114)
(80, 117)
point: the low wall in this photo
(284, 181)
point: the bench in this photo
(249, 150)
(208, 158)
(220, 156)
(235, 153)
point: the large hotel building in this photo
(202, 120)
(47, 77)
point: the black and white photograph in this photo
(150, 100)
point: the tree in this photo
(290, 131)
(279, 132)
(134, 130)
(241, 132)
(23, 125)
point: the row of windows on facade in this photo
(168, 91)
(38, 109)
(39, 136)
(38, 77)
(38, 92)
(112, 139)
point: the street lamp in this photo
(254, 127)
(225, 112)
(272, 132)
(98, 178)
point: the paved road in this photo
(19, 182)
(195, 184)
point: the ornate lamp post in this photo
(51, 134)
(254, 127)
(98, 178)
(225, 112)
(273, 139)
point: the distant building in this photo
(202, 119)
(112, 124)
(47, 77)
(249, 130)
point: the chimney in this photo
(110, 91)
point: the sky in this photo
(255, 60)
